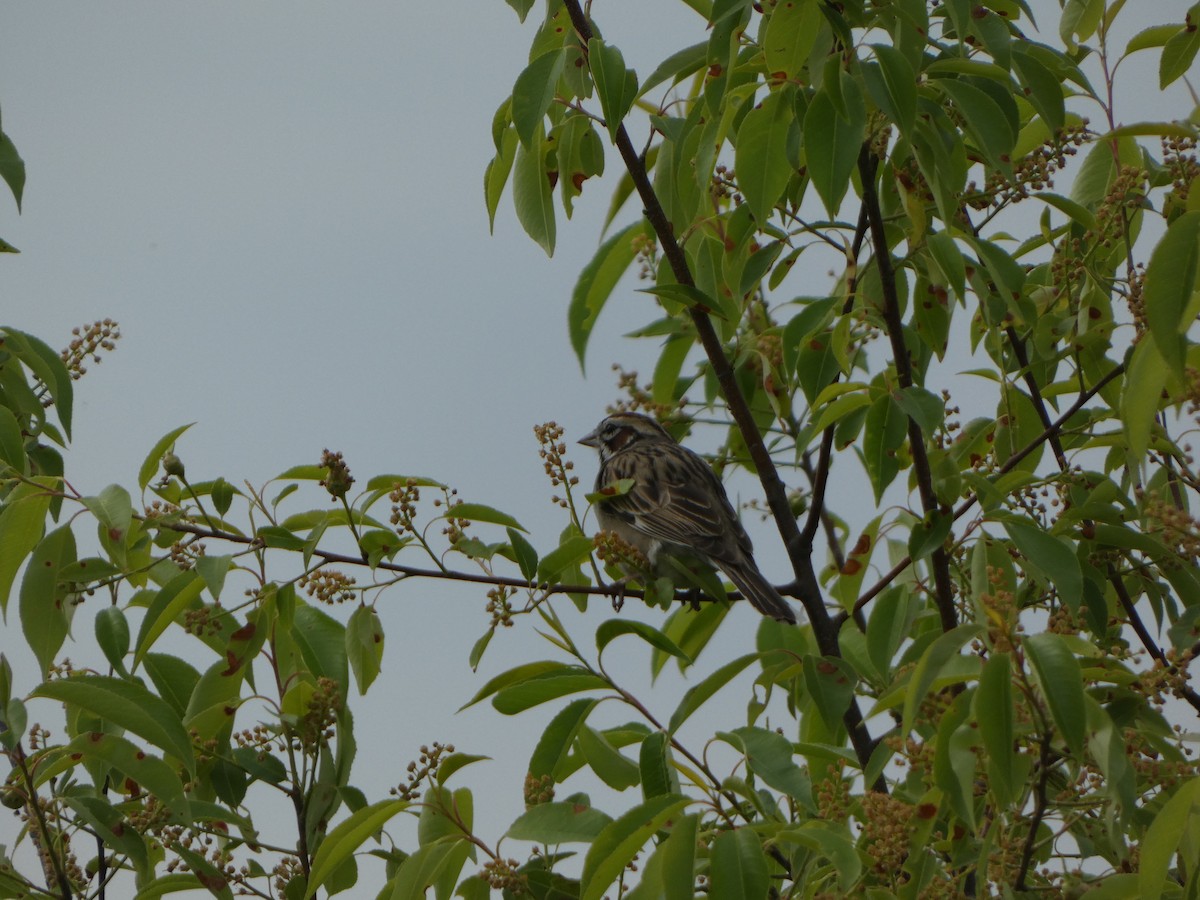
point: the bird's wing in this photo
(682, 502)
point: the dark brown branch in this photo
(1039, 811)
(1135, 622)
(347, 559)
(940, 560)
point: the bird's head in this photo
(622, 430)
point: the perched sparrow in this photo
(676, 505)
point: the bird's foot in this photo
(616, 593)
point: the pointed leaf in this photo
(614, 628)
(344, 840)
(1170, 283)
(127, 704)
(150, 465)
(761, 157)
(558, 823)
(616, 86)
(596, 282)
(1061, 681)
(739, 866)
(622, 839)
(790, 36)
(533, 93)
(45, 614)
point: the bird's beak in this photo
(590, 440)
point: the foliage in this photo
(991, 690)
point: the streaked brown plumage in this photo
(677, 504)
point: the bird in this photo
(676, 505)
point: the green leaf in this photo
(148, 772)
(621, 840)
(1142, 395)
(830, 683)
(605, 760)
(616, 86)
(738, 867)
(885, 429)
(679, 859)
(1178, 54)
(213, 570)
(1079, 20)
(515, 675)
(684, 296)
(111, 827)
(567, 554)
(610, 629)
(789, 39)
(1061, 681)
(932, 661)
(322, 642)
(596, 282)
(1154, 36)
(1076, 211)
(174, 679)
(112, 634)
(556, 741)
(1052, 557)
(559, 823)
(127, 704)
(45, 610)
(1043, 88)
(1170, 283)
(699, 694)
(832, 141)
(769, 756)
(533, 194)
(22, 522)
(49, 368)
(477, 512)
(1174, 823)
(994, 712)
(344, 840)
(892, 84)
(527, 556)
(12, 444)
(364, 646)
(989, 127)
(180, 593)
(761, 157)
(542, 688)
(655, 771)
(495, 176)
(151, 463)
(677, 66)
(533, 93)
(12, 168)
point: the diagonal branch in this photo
(943, 587)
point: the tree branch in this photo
(943, 586)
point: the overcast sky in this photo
(282, 206)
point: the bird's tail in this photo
(758, 591)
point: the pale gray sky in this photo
(282, 206)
